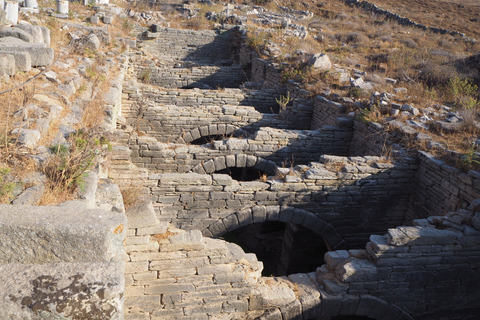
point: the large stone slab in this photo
(7, 64)
(40, 55)
(23, 61)
(184, 179)
(420, 236)
(62, 291)
(15, 33)
(67, 233)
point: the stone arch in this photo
(326, 305)
(212, 130)
(259, 214)
(236, 160)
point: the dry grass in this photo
(132, 194)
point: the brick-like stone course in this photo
(429, 269)
(277, 145)
(206, 276)
(343, 192)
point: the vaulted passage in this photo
(284, 248)
(349, 317)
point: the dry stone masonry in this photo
(403, 232)
(350, 197)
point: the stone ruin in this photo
(346, 232)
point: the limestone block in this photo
(15, 33)
(335, 258)
(62, 291)
(420, 236)
(357, 270)
(30, 196)
(184, 179)
(192, 236)
(108, 19)
(11, 8)
(27, 137)
(65, 233)
(320, 174)
(272, 296)
(92, 43)
(222, 179)
(308, 295)
(320, 61)
(95, 19)
(109, 197)
(141, 215)
(7, 64)
(40, 55)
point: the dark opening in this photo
(208, 139)
(350, 318)
(284, 248)
(242, 174)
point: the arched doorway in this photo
(284, 248)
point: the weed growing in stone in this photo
(6, 187)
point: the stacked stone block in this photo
(279, 146)
(357, 196)
(327, 112)
(191, 77)
(176, 274)
(441, 188)
(429, 270)
(61, 262)
(369, 138)
(205, 47)
(168, 114)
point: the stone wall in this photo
(357, 196)
(430, 270)
(278, 145)
(61, 262)
(182, 275)
(205, 47)
(327, 112)
(440, 188)
(369, 138)
(168, 114)
(190, 77)
(401, 20)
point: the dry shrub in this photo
(132, 194)
(94, 113)
(54, 194)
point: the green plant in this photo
(470, 159)
(257, 40)
(369, 115)
(91, 73)
(291, 74)
(69, 162)
(90, 53)
(283, 101)
(458, 87)
(355, 92)
(145, 75)
(6, 188)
